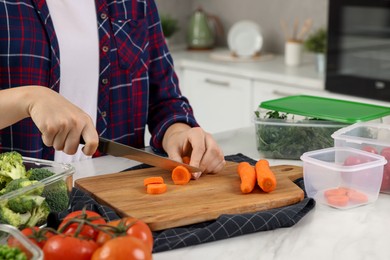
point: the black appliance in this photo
(358, 53)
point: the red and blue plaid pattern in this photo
(137, 84)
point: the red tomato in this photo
(86, 216)
(386, 170)
(123, 248)
(62, 247)
(370, 149)
(35, 234)
(128, 226)
(353, 160)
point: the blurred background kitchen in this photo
(312, 47)
(264, 12)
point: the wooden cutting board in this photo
(201, 200)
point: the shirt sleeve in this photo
(166, 103)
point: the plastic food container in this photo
(62, 173)
(32, 251)
(289, 138)
(369, 137)
(342, 177)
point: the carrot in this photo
(247, 175)
(186, 159)
(265, 176)
(156, 188)
(338, 200)
(335, 192)
(357, 196)
(153, 180)
(181, 175)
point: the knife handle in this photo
(102, 147)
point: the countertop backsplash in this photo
(264, 12)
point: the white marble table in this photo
(361, 233)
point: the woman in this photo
(109, 61)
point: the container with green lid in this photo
(327, 108)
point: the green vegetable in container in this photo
(11, 253)
(11, 168)
(56, 194)
(290, 141)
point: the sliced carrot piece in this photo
(336, 192)
(181, 175)
(357, 196)
(265, 177)
(338, 200)
(186, 159)
(156, 188)
(153, 180)
(247, 175)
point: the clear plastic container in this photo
(32, 251)
(342, 177)
(62, 172)
(289, 138)
(371, 137)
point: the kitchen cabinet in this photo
(220, 102)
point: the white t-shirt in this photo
(75, 24)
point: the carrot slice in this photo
(338, 200)
(336, 192)
(265, 176)
(186, 159)
(156, 188)
(357, 196)
(247, 175)
(181, 175)
(153, 180)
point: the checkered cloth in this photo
(225, 226)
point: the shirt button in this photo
(105, 81)
(104, 114)
(105, 48)
(103, 16)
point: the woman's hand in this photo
(181, 140)
(60, 122)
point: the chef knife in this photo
(113, 148)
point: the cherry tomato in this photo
(87, 231)
(353, 160)
(123, 248)
(35, 235)
(370, 149)
(128, 226)
(386, 170)
(64, 247)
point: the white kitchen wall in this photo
(267, 13)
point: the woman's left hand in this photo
(182, 140)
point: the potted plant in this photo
(316, 42)
(169, 26)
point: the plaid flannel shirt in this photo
(137, 82)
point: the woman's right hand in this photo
(60, 122)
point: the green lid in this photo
(327, 108)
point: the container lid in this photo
(327, 108)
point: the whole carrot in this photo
(265, 176)
(247, 175)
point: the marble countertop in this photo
(324, 233)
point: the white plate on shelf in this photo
(245, 39)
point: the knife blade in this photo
(113, 148)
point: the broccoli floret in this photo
(22, 183)
(39, 215)
(38, 174)
(14, 253)
(11, 166)
(25, 203)
(57, 196)
(7, 216)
